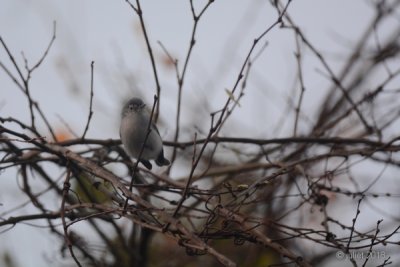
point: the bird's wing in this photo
(154, 127)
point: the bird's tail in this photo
(161, 161)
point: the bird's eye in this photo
(131, 107)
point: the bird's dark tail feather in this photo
(146, 163)
(161, 161)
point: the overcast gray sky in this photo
(108, 32)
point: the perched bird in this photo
(133, 131)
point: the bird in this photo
(135, 118)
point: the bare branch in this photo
(91, 101)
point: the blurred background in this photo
(110, 34)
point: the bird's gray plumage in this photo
(134, 122)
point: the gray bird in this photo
(134, 122)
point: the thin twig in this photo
(188, 182)
(68, 241)
(91, 102)
(302, 87)
(53, 38)
(354, 223)
(181, 77)
(138, 10)
(368, 257)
